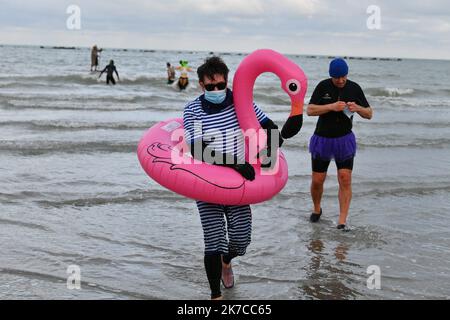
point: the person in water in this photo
(226, 229)
(183, 80)
(95, 53)
(334, 101)
(110, 69)
(170, 73)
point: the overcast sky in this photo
(409, 28)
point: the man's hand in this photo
(353, 107)
(338, 106)
(246, 170)
(366, 113)
(267, 153)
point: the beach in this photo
(72, 191)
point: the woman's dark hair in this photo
(212, 66)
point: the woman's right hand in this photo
(338, 106)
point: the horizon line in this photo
(351, 57)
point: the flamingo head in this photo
(295, 84)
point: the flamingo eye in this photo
(293, 86)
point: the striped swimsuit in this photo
(202, 122)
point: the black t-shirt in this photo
(336, 124)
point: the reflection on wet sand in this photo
(327, 277)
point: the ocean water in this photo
(72, 191)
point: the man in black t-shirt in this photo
(335, 101)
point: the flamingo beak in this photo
(296, 108)
(294, 123)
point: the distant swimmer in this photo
(184, 68)
(110, 69)
(170, 73)
(95, 53)
(335, 101)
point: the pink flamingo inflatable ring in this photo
(162, 149)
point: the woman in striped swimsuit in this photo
(212, 128)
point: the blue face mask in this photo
(216, 97)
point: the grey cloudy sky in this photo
(414, 28)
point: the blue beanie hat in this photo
(338, 68)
